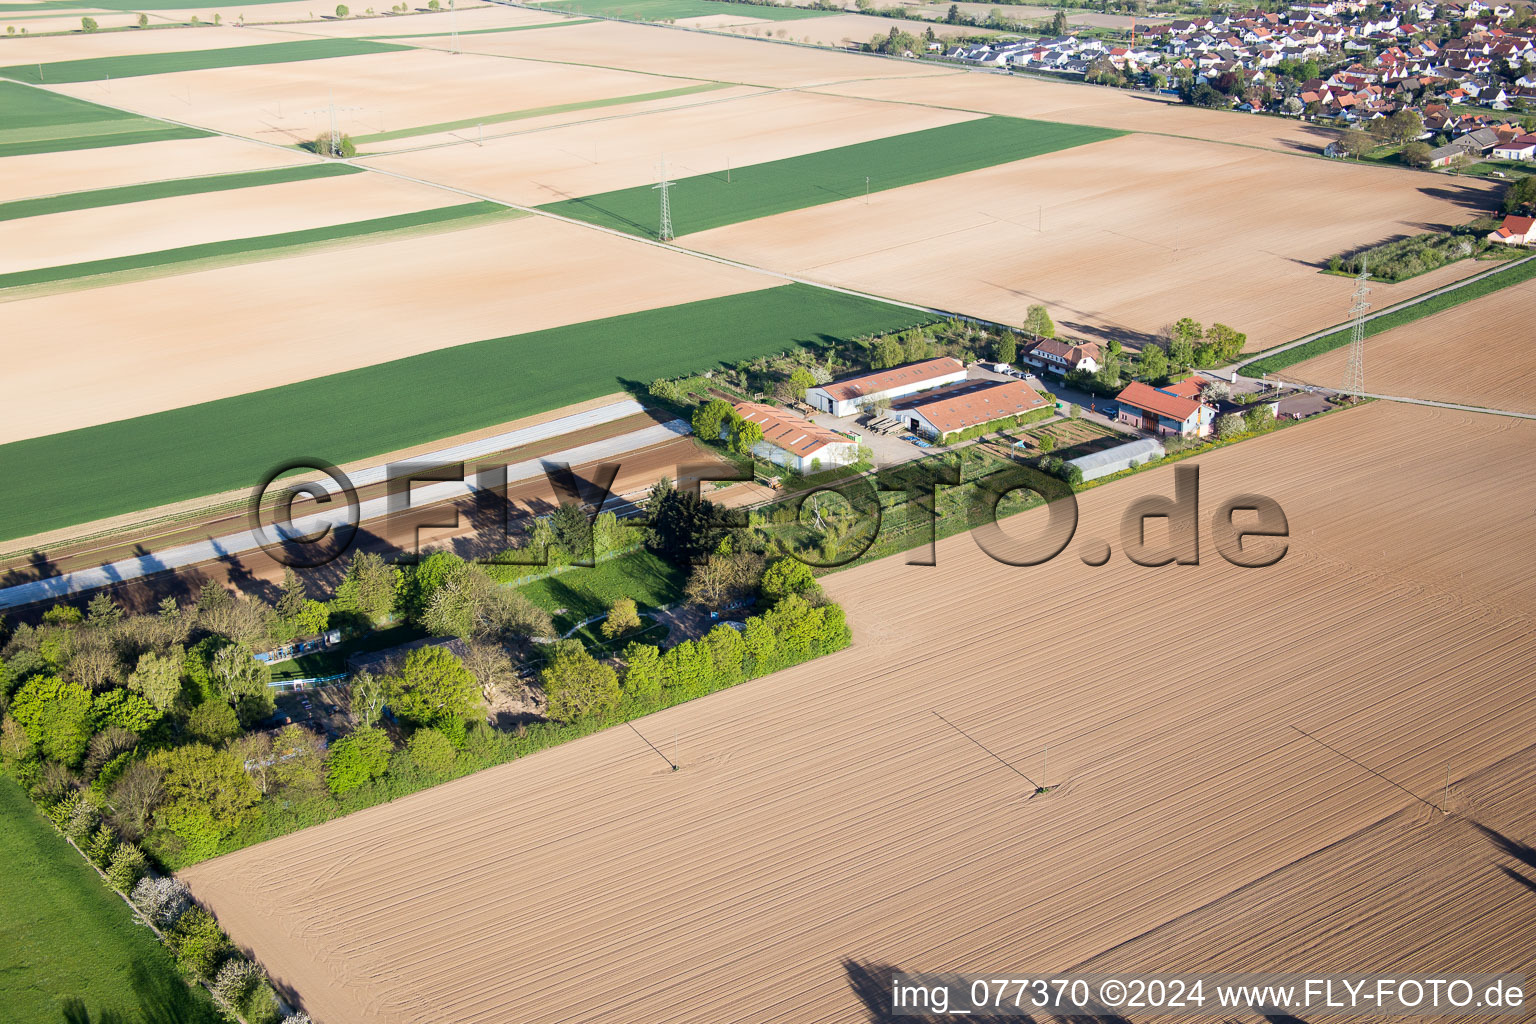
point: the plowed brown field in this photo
(42, 174)
(398, 298)
(1118, 238)
(59, 239)
(1479, 353)
(1208, 727)
(704, 134)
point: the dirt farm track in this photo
(1238, 755)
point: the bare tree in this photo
(254, 752)
(136, 794)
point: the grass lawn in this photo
(707, 201)
(96, 198)
(1382, 324)
(113, 468)
(66, 935)
(95, 69)
(577, 594)
(667, 10)
(334, 661)
(518, 115)
(240, 250)
(38, 121)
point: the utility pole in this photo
(866, 190)
(331, 108)
(665, 228)
(453, 25)
(1354, 371)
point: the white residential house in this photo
(1522, 147)
(1515, 231)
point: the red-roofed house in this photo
(1062, 356)
(1167, 410)
(955, 407)
(795, 442)
(1515, 231)
(845, 397)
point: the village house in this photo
(1175, 409)
(1062, 356)
(1515, 231)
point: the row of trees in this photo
(792, 631)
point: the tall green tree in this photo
(575, 683)
(371, 587)
(435, 688)
(1152, 365)
(58, 717)
(711, 418)
(1038, 322)
(207, 794)
(357, 758)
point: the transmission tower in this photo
(665, 234)
(332, 108)
(1354, 371)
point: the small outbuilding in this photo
(1120, 457)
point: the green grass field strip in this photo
(96, 198)
(663, 10)
(168, 133)
(576, 595)
(519, 115)
(66, 935)
(96, 69)
(88, 474)
(487, 31)
(240, 250)
(707, 201)
(1429, 307)
(39, 121)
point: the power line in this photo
(989, 750)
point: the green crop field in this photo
(96, 198)
(96, 69)
(65, 935)
(488, 31)
(185, 258)
(707, 201)
(114, 468)
(574, 595)
(38, 121)
(519, 115)
(1380, 325)
(665, 10)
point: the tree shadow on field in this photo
(165, 999)
(1515, 876)
(1465, 196)
(1520, 851)
(1125, 336)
